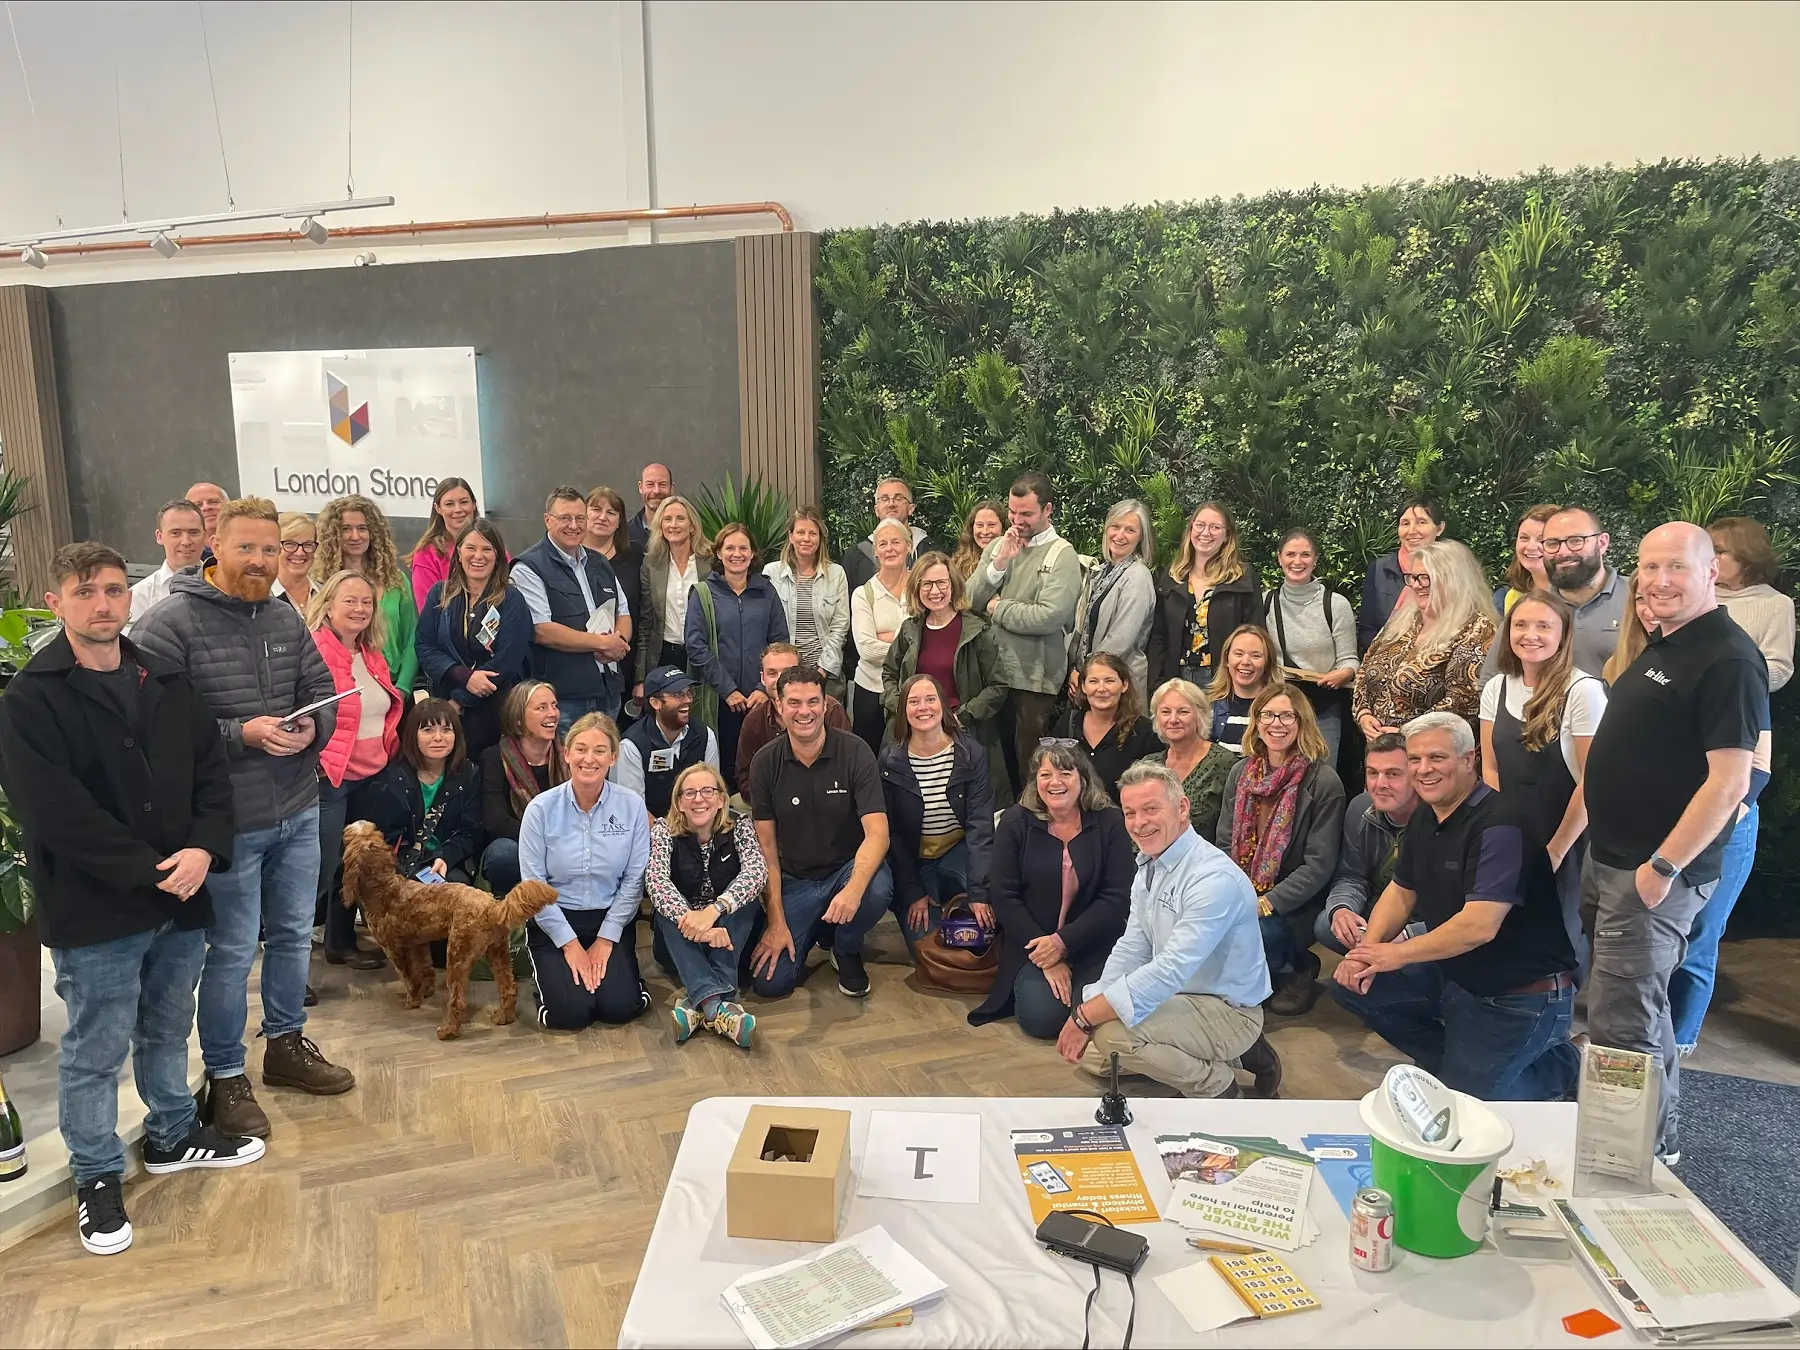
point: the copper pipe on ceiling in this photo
(423, 227)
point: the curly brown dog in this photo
(405, 915)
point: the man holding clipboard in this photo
(257, 668)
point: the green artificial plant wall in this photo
(1626, 339)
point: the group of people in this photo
(1126, 772)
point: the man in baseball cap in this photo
(661, 745)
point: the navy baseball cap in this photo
(667, 680)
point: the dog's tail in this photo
(524, 900)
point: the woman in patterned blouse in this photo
(1428, 655)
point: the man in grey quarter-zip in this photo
(254, 663)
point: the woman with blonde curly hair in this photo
(354, 536)
(1428, 656)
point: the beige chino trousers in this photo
(1192, 1043)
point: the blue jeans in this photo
(941, 879)
(1279, 946)
(1691, 986)
(568, 710)
(273, 884)
(500, 866)
(134, 993)
(709, 972)
(803, 905)
(1509, 1047)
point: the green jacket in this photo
(401, 621)
(1036, 613)
(980, 693)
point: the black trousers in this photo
(866, 716)
(563, 1004)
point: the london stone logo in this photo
(347, 424)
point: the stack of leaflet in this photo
(1344, 1163)
(1677, 1274)
(1245, 1188)
(863, 1281)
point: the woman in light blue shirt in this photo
(590, 839)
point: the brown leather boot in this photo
(1299, 991)
(294, 1061)
(231, 1107)
(1261, 1061)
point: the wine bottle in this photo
(12, 1139)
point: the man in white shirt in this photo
(181, 530)
(1028, 583)
(1180, 999)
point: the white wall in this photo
(849, 113)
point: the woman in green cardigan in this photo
(354, 536)
(944, 639)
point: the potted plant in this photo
(21, 959)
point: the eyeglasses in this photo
(305, 550)
(699, 794)
(1419, 581)
(1574, 543)
(1277, 719)
(1201, 527)
(892, 499)
(570, 519)
(934, 585)
(1058, 743)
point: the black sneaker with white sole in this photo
(100, 1215)
(203, 1147)
(853, 979)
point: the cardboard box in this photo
(797, 1201)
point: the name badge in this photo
(661, 761)
(489, 630)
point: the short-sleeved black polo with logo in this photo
(1703, 687)
(817, 808)
(1487, 850)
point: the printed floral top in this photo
(1204, 787)
(659, 879)
(1398, 682)
(1197, 657)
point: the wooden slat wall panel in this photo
(778, 362)
(31, 434)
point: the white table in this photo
(1007, 1290)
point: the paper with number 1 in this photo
(933, 1156)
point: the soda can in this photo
(1372, 1230)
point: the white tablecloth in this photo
(1007, 1290)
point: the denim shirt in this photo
(1193, 930)
(595, 859)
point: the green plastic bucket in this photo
(1441, 1196)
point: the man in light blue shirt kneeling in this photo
(1180, 999)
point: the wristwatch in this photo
(1663, 867)
(1080, 1021)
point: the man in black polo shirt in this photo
(1482, 998)
(815, 795)
(1670, 763)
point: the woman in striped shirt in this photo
(815, 594)
(940, 810)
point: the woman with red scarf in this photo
(1281, 821)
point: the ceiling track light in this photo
(314, 229)
(163, 244)
(142, 227)
(34, 256)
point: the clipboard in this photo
(292, 718)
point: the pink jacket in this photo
(428, 568)
(336, 754)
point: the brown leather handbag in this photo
(958, 955)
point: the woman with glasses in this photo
(474, 635)
(354, 536)
(1207, 594)
(1107, 722)
(293, 571)
(1420, 522)
(1282, 821)
(705, 882)
(1060, 884)
(1427, 657)
(942, 638)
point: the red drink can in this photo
(1372, 1230)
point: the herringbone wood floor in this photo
(500, 1190)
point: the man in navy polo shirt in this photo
(1665, 774)
(580, 616)
(1482, 998)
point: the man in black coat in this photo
(117, 773)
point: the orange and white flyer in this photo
(1087, 1167)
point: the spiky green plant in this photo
(757, 507)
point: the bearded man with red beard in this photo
(255, 664)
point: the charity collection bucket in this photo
(1441, 1196)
